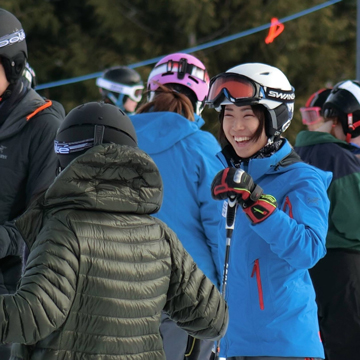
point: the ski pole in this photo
(229, 227)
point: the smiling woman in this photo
(277, 237)
(244, 128)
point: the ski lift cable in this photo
(193, 49)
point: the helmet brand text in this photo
(13, 38)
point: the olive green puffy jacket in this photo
(101, 269)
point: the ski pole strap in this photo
(192, 351)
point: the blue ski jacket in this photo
(186, 158)
(271, 299)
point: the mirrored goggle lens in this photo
(310, 115)
(238, 88)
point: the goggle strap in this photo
(112, 97)
(10, 39)
(98, 134)
(65, 148)
(351, 127)
(285, 96)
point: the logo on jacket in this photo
(2, 155)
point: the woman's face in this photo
(239, 125)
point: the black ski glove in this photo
(236, 183)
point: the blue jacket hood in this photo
(152, 126)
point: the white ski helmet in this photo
(252, 84)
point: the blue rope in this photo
(195, 48)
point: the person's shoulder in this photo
(204, 140)
(338, 159)
(334, 158)
(302, 169)
(58, 108)
(45, 110)
(304, 172)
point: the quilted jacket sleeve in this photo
(46, 290)
(193, 301)
(11, 242)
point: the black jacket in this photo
(27, 167)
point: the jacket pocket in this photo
(256, 271)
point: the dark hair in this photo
(168, 99)
(259, 112)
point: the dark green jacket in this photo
(101, 270)
(328, 153)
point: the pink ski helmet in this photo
(182, 69)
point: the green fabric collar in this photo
(308, 138)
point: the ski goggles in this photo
(180, 67)
(239, 89)
(310, 115)
(134, 92)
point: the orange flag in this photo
(276, 28)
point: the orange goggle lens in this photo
(237, 87)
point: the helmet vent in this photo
(193, 79)
(265, 73)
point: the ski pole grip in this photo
(231, 211)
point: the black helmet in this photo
(344, 103)
(89, 125)
(118, 83)
(13, 50)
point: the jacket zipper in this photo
(256, 270)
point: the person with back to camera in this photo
(168, 127)
(100, 268)
(280, 223)
(28, 125)
(121, 86)
(336, 277)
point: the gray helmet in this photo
(118, 83)
(13, 49)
